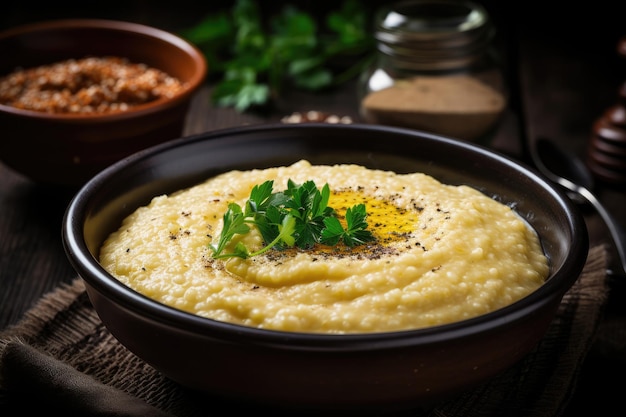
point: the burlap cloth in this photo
(60, 358)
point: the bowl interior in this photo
(101, 204)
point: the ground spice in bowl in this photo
(87, 85)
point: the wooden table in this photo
(563, 72)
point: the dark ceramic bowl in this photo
(68, 149)
(365, 372)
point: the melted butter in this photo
(387, 222)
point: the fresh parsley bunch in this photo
(299, 216)
(257, 59)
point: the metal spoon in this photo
(567, 170)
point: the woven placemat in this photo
(61, 357)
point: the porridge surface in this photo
(442, 254)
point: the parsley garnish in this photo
(298, 216)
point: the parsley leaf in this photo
(355, 233)
(234, 223)
(298, 216)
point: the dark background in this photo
(594, 27)
(573, 22)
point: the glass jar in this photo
(436, 70)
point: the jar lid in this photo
(434, 34)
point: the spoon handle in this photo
(559, 166)
(617, 233)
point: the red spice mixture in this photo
(89, 85)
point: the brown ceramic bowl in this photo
(68, 149)
(355, 372)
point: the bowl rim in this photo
(96, 277)
(121, 26)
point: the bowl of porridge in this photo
(326, 267)
(77, 95)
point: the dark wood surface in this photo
(563, 72)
